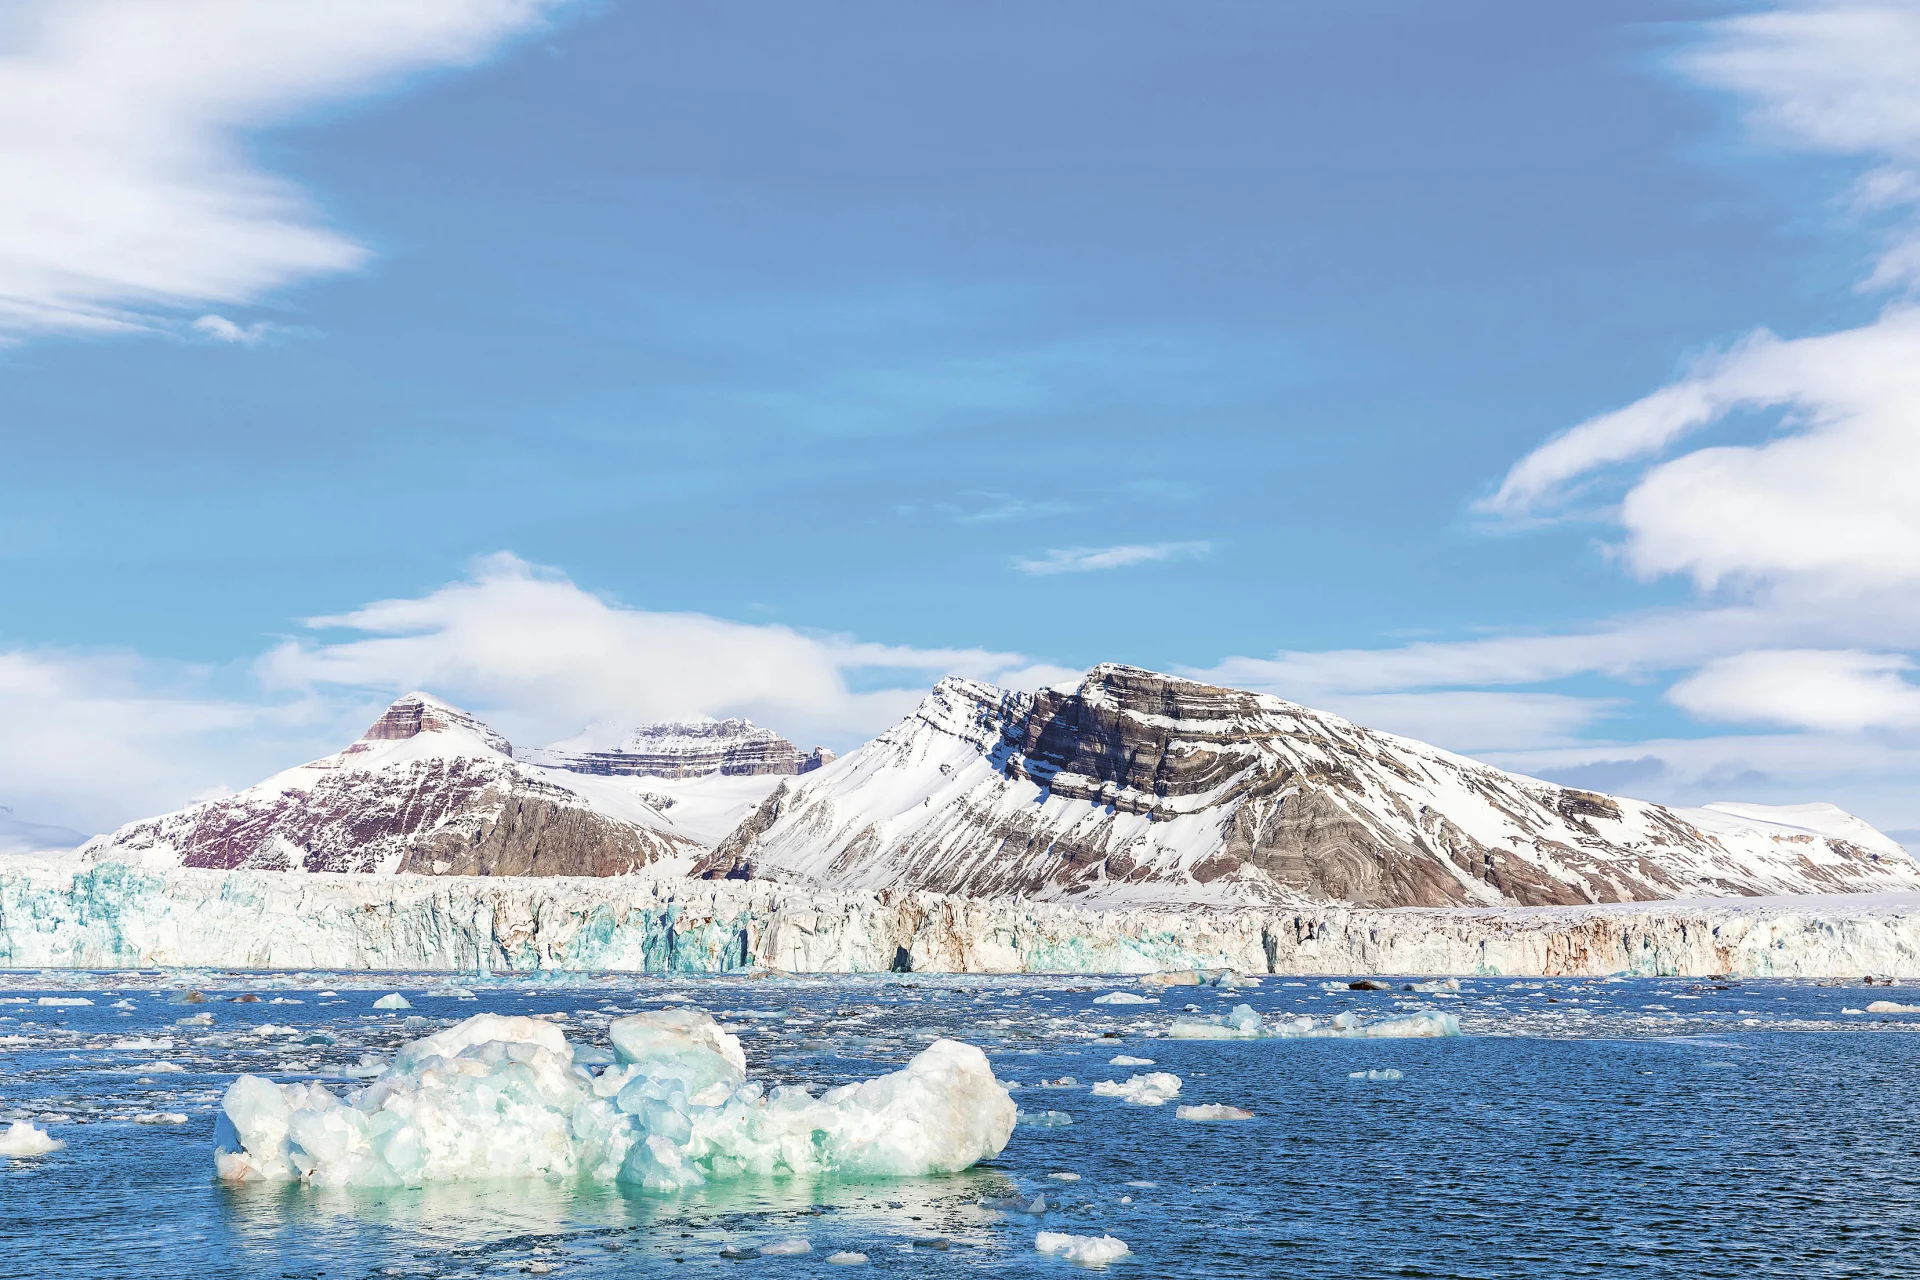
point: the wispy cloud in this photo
(1093, 559)
(221, 329)
(130, 194)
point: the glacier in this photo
(502, 1096)
(65, 914)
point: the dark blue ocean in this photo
(1578, 1128)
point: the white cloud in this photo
(128, 190)
(1091, 559)
(541, 656)
(1839, 690)
(92, 741)
(221, 329)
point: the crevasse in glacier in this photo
(498, 1096)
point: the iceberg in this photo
(1124, 997)
(393, 1000)
(1375, 1074)
(1150, 1090)
(1244, 1024)
(501, 1096)
(1091, 1251)
(24, 1138)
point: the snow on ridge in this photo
(1136, 787)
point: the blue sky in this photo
(872, 341)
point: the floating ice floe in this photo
(142, 1042)
(393, 1000)
(1889, 1006)
(1375, 1074)
(1437, 985)
(1123, 1060)
(1043, 1119)
(160, 1117)
(1213, 1111)
(1124, 997)
(1091, 1251)
(786, 1248)
(498, 1096)
(846, 1258)
(1064, 1177)
(1150, 1090)
(1244, 1024)
(24, 1138)
(62, 1001)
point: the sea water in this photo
(1576, 1128)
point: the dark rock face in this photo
(689, 749)
(1188, 790)
(467, 809)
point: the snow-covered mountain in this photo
(428, 789)
(1137, 787)
(682, 749)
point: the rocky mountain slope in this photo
(683, 749)
(1138, 787)
(426, 789)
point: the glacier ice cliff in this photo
(66, 914)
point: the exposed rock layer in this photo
(1141, 787)
(688, 749)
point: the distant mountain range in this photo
(1132, 788)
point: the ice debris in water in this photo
(846, 1258)
(24, 1138)
(393, 1000)
(1375, 1074)
(1124, 997)
(1889, 1006)
(1213, 1111)
(1438, 984)
(63, 1001)
(498, 1096)
(1150, 1090)
(1244, 1024)
(1122, 1060)
(1091, 1251)
(786, 1248)
(1043, 1119)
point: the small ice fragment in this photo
(63, 1000)
(1088, 1251)
(1213, 1111)
(1064, 1177)
(1064, 1082)
(121, 1004)
(786, 1248)
(141, 1042)
(1878, 1006)
(24, 1138)
(1853, 1011)
(1375, 1075)
(393, 1000)
(158, 1068)
(1143, 1186)
(1123, 1060)
(1438, 984)
(1369, 984)
(1112, 997)
(846, 1258)
(160, 1117)
(196, 1020)
(1042, 1119)
(539, 1268)
(1126, 1199)
(1150, 1090)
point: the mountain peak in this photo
(416, 713)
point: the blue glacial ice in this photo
(502, 1096)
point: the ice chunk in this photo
(160, 1117)
(1112, 997)
(1439, 984)
(393, 1000)
(846, 1258)
(1043, 1119)
(1064, 1177)
(142, 1042)
(499, 1096)
(24, 1138)
(786, 1248)
(1888, 1006)
(1090, 1251)
(1244, 1024)
(1122, 1060)
(1150, 1090)
(62, 1001)
(1213, 1111)
(1375, 1074)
